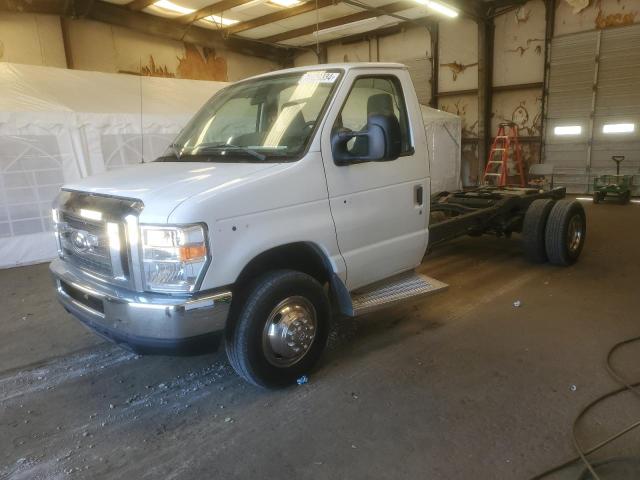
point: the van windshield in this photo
(267, 119)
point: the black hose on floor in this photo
(590, 471)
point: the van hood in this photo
(162, 186)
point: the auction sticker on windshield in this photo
(318, 77)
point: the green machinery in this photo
(618, 186)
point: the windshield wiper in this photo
(227, 146)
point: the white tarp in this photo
(444, 140)
(58, 125)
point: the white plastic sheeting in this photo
(444, 140)
(59, 125)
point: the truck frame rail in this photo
(483, 210)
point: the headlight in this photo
(174, 258)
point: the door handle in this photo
(419, 194)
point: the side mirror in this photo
(379, 142)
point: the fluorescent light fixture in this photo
(618, 128)
(345, 26)
(568, 130)
(285, 3)
(439, 7)
(172, 7)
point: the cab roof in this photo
(342, 66)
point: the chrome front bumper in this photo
(145, 322)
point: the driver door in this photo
(378, 207)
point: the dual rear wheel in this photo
(554, 231)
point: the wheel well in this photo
(301, 256)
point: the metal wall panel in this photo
(593, 81)
(618, 101)
(570, 102)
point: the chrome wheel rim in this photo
(289, 332)
(575, 233)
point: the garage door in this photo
(593, 109)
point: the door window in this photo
(373, 96)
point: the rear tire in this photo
(280, 330)
(533, 230)
(566, 232)
(596, 197)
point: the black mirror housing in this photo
(383, 141)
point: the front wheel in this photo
(565, 232)
(281, 329)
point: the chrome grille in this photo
(85, 244)
(93, 234)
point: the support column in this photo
(550, 17)
(434, 35)
(485, 96)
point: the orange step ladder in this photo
(496, 172)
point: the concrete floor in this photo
(458, 386)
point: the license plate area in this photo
(85, 299)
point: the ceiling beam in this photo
(47, 7)
(163, 27)
(355, 17)
(495, 4)
(149, 24)
(214, 9)
(426, 22)
(283, 14)
(137, 5)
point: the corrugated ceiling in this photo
(259, 8)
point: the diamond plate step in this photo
(393, 290)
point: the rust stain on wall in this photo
(614, 19)
(527, 126)
(202, 66)
(194, 65)
(521, 49)
(459, 108)
(153, 70)
(457, 68)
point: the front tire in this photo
(280, 330)
(566, 232)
